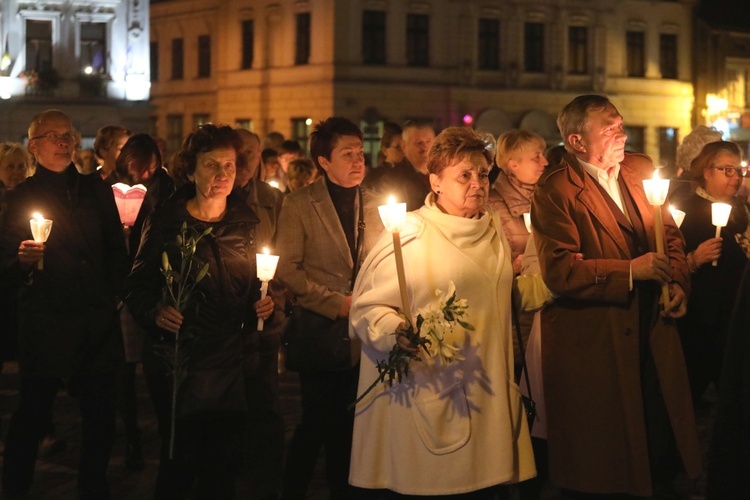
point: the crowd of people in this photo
(521, 332)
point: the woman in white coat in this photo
(446, 429)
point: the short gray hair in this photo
(693, 143)
(573, 117)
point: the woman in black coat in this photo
(217, 328)
(718, 172)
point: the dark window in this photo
(302, 52)
(533, 47)
(667, 146)
(94, 47)
(578, 50)
(248, 43)
(418, 40)
(154, 60)
(373, 37)
(178, 59)
(301, 132)
(174, 133)
(636, 47)
(38, 45)
(636, 138)
(668, 55)
(204, 56)
(489, 44)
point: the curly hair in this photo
(456, 143)
(206, 138)
(693, 143)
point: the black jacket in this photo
(67, 311)
(220, 325)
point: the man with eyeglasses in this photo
(68, 333)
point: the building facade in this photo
(86, 57)
(494, 64)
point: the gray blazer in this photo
(315, 263)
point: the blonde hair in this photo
(514, 141)
(458, 143)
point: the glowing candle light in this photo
(656, 192)
(393, 216)
(40, 229)
(266, 266)
(719, 218)
(677, 215)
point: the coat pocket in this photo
(443, 420)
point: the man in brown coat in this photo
(616, 390)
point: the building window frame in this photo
(488, 43)
(636, 141)
(578, 50)
(668, 55)
(175, 132)
(34, 15)
(534, 47)
(153, 59)
(302, 38)
(374, 36)
(635, 47)
(204, 56)
(178, 58)
(418, 40)
(247, 29)
(301, 132)
(668, 140)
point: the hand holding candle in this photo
(266, 265)
(40, 229)
(656, 192)
(393, 216)
(719, 218)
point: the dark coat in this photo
(222, 349)
(67, 311)
(714, 288)
(404, 183)
(590, 341)
(729, 452)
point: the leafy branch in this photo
(433, 323)
(178, 293)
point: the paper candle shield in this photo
(129, 200)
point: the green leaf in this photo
(202, 273)
(466, 326)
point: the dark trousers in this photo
(264, 447)
(30, 422)
(207, 456)
(127, 403)
(326, 423)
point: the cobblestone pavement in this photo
(55, 477)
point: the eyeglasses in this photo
(732, 171)
(53, 137)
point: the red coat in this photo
(590, 344)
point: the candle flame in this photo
(391, 200)
(38, 216)
(656, 174)
(265, 250)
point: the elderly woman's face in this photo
(718, 184)
(13, 169)
(462, 187)
(214, 173)
(527, 164)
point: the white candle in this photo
(719, 218)
(527, 221)
(266, 266)
(393, 216)
(40, 229)
(656, 192)
(677, 215)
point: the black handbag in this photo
(528, 402)
(314, 342)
